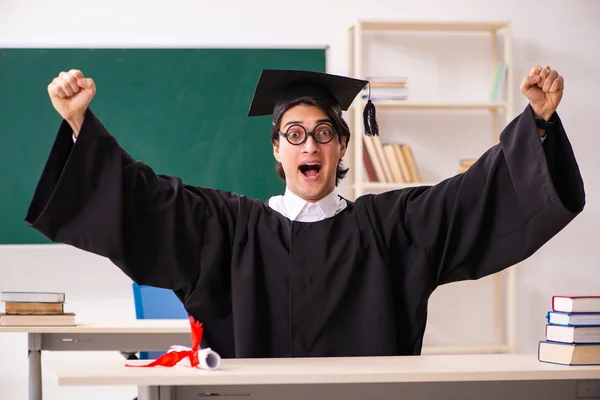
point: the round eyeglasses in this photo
(296, 134)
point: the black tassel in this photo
(369, 119)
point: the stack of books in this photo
(572, 331)
(34, 309)
(389, 162)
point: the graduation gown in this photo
(356, 284)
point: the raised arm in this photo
(515, 198)
(96, 197)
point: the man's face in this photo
(310, 167)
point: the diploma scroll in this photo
(188, 356)
(207, 358)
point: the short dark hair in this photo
(333, 112)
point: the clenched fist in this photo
(71, 93)
(544, 88)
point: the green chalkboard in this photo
(181, 111)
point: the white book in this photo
(580, 304)
(573, 334)
(32, 297)
(574, 319)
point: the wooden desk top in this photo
(432, 368)
(133, 326)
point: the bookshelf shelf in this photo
(458, 26)
(380, 166)
(448, 105)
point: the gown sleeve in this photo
(514, 199)
(96, 197)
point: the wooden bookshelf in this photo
(500, 112)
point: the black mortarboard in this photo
(276, 86)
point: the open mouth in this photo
(310, 170)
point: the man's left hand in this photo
(543, 87)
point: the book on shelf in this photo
(383, 94)
(499, 85)
(375, 148)
(368, 162)
(387, 81)
(386, 88)
(34, 309)
(572, 334)
(387, 84)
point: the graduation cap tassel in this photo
(369, 119)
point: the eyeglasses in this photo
(297, 134)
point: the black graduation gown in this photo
(356, 284)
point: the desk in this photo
(134, 335)
(343, 378)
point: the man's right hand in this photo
(71, 93)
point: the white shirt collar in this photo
(298, 209)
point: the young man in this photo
(309, 273)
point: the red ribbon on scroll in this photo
(173, 357)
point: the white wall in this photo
(557, 33)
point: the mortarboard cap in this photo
(275, 86)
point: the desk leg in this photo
(155, 393)
(34, 349)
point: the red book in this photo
(369, 166)
(571, 304)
